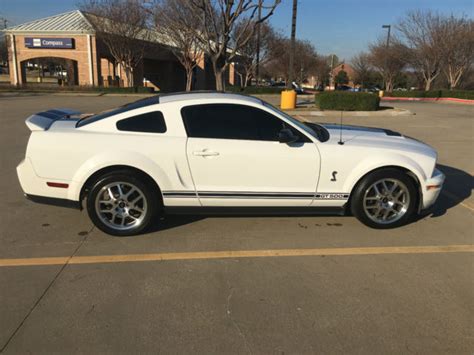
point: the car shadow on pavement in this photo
(457, 187)
(173, 221)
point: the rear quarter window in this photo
(151, 122)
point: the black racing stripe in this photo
(179, 193)
(258, 195)
(254, 195)
(57, 112)
(48, 114)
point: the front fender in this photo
(387, 160)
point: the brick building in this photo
(70, 37)
(348, 69)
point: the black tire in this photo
(377, 207)
(134, 222)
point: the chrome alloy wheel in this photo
(121, 205)
(386, 201)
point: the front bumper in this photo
(432, 188)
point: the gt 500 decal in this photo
(331, 196)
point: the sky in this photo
(341, 27)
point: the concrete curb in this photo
(429, 99)
(388, 112)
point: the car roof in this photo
(206, 95)
(166, 98)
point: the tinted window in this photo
(228, 121)
(152, 122)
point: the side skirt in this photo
(254, 211)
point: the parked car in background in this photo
(278, 83)
(299, 90)
(343, 88)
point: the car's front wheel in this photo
(121, 204)
(385, 199)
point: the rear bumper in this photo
(37, 189)
(60, 202)
(432, 189)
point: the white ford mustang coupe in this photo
(215, 153)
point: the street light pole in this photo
(388, 33)
(386, 56)
(257, 67)
(292, 50)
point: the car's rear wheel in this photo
(122, 204)
(385, 199)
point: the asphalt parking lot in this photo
(347, 289)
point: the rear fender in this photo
(104, 160)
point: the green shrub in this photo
(252, 90)
(414, 93)
(457, 94)
(347, 101)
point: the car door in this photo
(236, 159)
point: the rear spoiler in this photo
(43, 120)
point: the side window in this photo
(222, 121)
(229, 121)
(151, 122)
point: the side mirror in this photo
(287, 136)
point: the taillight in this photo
(57, 184)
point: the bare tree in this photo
(421, 32)
(388, 61)
(248, 52)
(177, 22)
(362, 68)
(219, 36)
(322, 70)
(122, 26)
(306, 62)
(457, 47)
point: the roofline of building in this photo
(12, 30)
(53, 33)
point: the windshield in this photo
(313, 129)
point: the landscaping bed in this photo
(347, 101)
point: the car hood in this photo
(376, 138)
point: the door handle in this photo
(205, 153)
